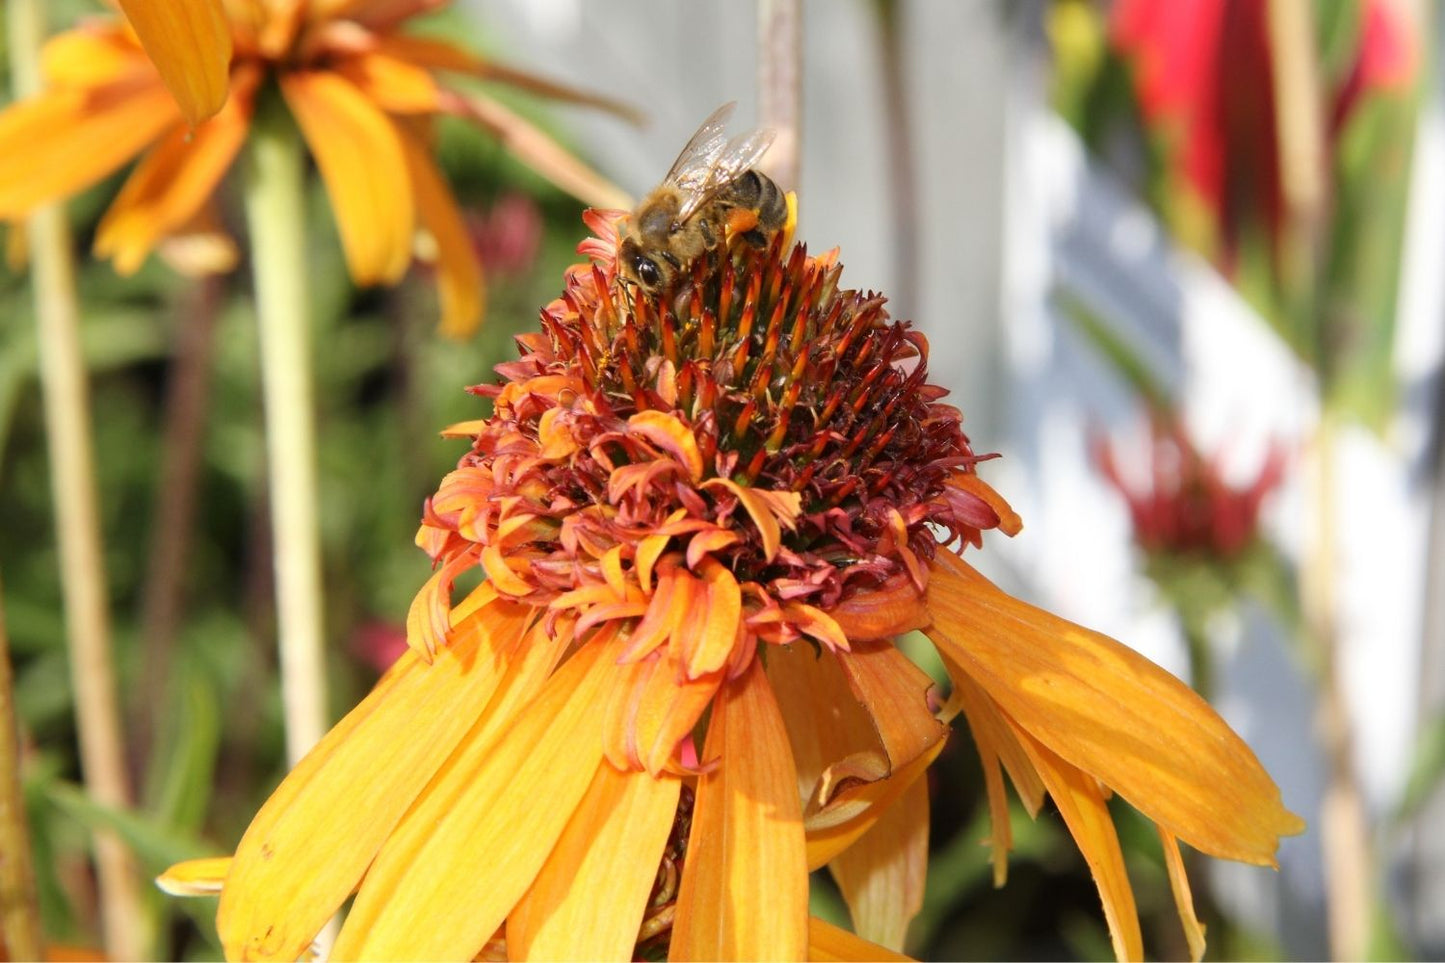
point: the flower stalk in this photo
(19, 914)
(68, 431)
(275, 205)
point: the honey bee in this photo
(711, 195)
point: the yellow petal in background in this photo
(882, 874)
(312, 840)
(359, 152)
(475, 840)
(587, 903)
(189, 41)
(460, 284)
(168, 187)
(92, 56)
(744, 893)
(1109, 711)
(63, 141)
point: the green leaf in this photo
(156, 844)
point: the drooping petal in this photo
(744, 893)
(288, 878)
(537, 150)
(1183, 897)
(831, 944)
(359, 152)
(475, 840)
(65, 140)
(190, 44)
(1082, 805)
(590, 896)
(168, 188)
(882, 874)
(1109, 711)
(460, 284)
(669, 433)
(436, 54)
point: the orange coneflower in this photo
(703, 519)
(358, 87)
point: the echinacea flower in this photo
(360, 89)
(702, 520)
(1186, 507)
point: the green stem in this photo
(19, 914)
(275, 212)
(68, 432)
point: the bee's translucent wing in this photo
(730, 162)
(690, 168)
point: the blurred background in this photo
(1181, 262)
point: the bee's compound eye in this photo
(646, 271)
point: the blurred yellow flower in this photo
(708, 517)
(360, 90)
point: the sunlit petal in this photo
(587, 902)
(196, 877)
(498, 804)
(1109, 711)
(460, 282)
(744, 892)
(357, 782)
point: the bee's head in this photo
(637, 268)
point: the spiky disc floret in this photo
(760, 443)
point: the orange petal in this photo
(1109, 711)
(588, 901)
(358, 149)
(196, 877)
(990, 728)
(895, 693)
(744, 892)
(312, 840)
(168, 188)
(1183, 897)
(474, 841)
(1082, 805)
(895, 608)
(856, 806)
(460, 285)
(757, 509)
(716, 615)
(882, 874)
(190, 44)
(828, 943)
(672, 436)
(63, 141)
